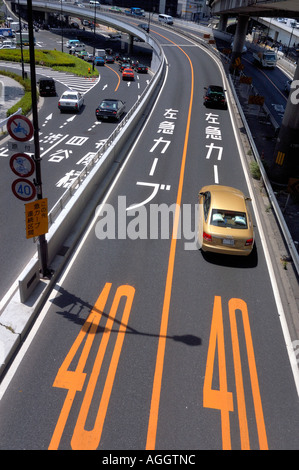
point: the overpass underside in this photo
(266, 8)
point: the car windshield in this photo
(69, 96)
(270, 56)
(228, 219)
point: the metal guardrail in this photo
(279, 215)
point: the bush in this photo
(25, 102)
(255, 170)
(59, 61)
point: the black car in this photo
(123, 58)
(140, 68)
(110, 109)
(144, 26)
(46, 87)
(215, 96)
(109, 59)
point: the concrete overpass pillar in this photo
(130, 44)
(286, 154)
(239, 38)
(222, 22)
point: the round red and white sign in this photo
(23, 189)
(21, 164)
(20, 128)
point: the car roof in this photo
(70, 92)
(216, 88)
(226, 197)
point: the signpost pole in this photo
(43, 245)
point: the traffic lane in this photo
(220, 276)
(236, 276)
(270, 84)
(77, 137)
(114, 261)
(197, 285)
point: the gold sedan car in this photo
(225, 222)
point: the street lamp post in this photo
(21, 41)
(43, 244)
(61, 26)
(94, 33)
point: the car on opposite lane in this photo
(70, 101)
(215, 97)
(110, 109)
(225, 222)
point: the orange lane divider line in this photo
(89, 439)
(74, 380)
(240, 305)
(156, 391)
(118, 77)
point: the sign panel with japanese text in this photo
(36, 215)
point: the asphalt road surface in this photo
(145, 343)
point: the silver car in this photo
(70, 101)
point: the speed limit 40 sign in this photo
(23, 189)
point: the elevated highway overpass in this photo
(267, 8)
(100, 16)
(285, 158)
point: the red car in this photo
(128, 74)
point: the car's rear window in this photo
(69, 96)
(108, 104)
(228, 219)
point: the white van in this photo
(165, 19)
(94, 2)
(72, 42)
(78, 47)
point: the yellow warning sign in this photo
(36, 215)
(280, 158)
